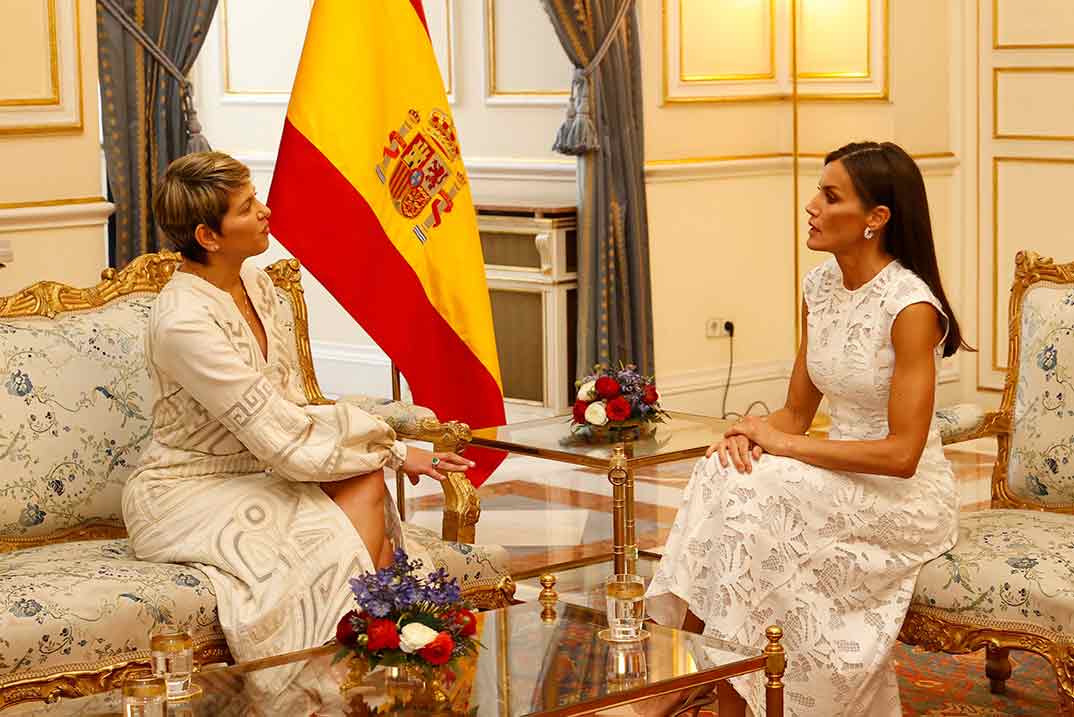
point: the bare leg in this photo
(362, 499)
(692, 623)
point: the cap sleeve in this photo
(910, 289)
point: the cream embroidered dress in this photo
(830, 556)
(229, 481)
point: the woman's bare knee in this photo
(367, 488)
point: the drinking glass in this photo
(144, 695)
(626, 666)
(625, 597)
(172, 652)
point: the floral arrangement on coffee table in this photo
(616, 403)
(404, 619)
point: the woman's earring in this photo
(868, 232)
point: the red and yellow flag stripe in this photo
(412, 276)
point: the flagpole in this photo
(400, 478)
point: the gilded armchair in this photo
(1008, 583)
(76, 607)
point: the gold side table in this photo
(682, 436)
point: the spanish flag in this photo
(371, 195)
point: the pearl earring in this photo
(868, 232)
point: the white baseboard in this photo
(351, 368)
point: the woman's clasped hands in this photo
(745, 442)
(421, 462)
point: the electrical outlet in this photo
(717, 328)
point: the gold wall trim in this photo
(996, 45)
(868, 73)
(491, 88)
(75, 127)
(1024, 70)
(53, 98)
(881, 95)
(996, 161)
(51, 202)
(730, 77)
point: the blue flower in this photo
(19, 384)
(186, 581)
(31, 515)
(1022, 563)
(1053, 465)
(1047, 358)
(25, 607)
(1035, 486)
(56, 486)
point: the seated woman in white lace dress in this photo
(278, 501)
(826, 537)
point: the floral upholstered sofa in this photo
(1008, 583)
(76, 607)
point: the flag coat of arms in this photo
(371, 195)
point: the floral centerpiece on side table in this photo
(616, 404)
(404, 620)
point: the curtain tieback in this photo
(197, 141)
(578, 133)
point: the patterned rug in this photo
(936, 685)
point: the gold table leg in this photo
(618, 476)
(631, 538)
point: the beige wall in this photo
(723, 215)
(51, 210)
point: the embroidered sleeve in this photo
(816, 287)
(302, 443)
(906, 291)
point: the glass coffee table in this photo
(683, 435)
(538, 659)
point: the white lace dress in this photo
(830, 556)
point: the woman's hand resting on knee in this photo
(736, 449)
(421, 462)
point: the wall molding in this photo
(351, 368)
(686, 382)
(692, 169)
(73, 213)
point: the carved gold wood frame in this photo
(933, 628)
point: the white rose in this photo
(415, 636)
(596, 414)
(588, 391)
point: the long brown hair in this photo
(884, 174)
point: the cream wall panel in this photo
(819, 21)
(517, 34)
(726, 40)
(440, 19)
(26, 43)
(37, 257)
(1027, 194)
(30, 103)
(1033, 103)
(721, 247)
(262, 48)
(1033, 23)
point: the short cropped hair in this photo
(195, 191)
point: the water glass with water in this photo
(626, 666)
(626, 606)
(172, 652)
(144, 695)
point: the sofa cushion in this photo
(1009, 566)
(86, 604)
(1042, 443)
(75, 401)
(479, 569)
(958, 421)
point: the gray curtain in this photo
(145, 126)
(604, 128)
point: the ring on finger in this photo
(436, 461)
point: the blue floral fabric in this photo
(1041, 466)
(72, 605)
(958, 421)
(1008, 565)
(75, 408)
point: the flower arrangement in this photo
(616, 401)
(403, 619)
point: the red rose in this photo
(464, 619)
(579, 411)
(618, 409)
(650, 396)
(346, 634)
(439, 650)
(382, 634)
(607, 387)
